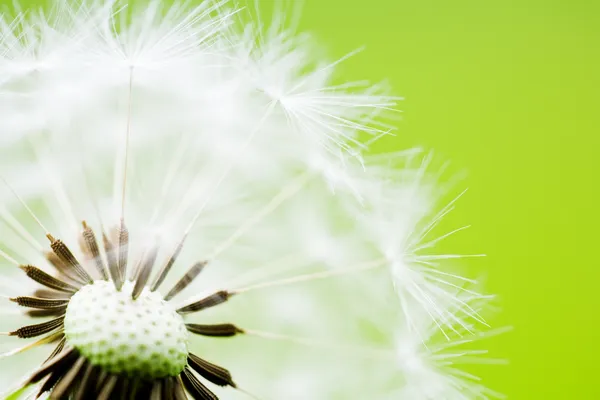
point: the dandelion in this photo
(190, 209)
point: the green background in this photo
(506, 90)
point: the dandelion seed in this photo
(430, 368)
(188, 210)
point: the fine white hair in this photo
(201, 121)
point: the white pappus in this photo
(175, 175)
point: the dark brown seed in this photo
(65, 358)
(101, 379)
(178, 390)
(53, 379)
(195, 387)
(67, 257)
(39, 329)
(56, 312)
(108, 387)
(122, 388)
(219, 330)
(67, 384)
(113, 264)
(156, 390)
(91, 244)
(55, 261)
(213, 300)
(63, 270)
(188, 278)
(167, 267)
(144, 271)
(86, 385)
(123, 248)
(40, 303)
(167, 389)
(57, 349)
(211, 372)
(47, 280)
(51, 294)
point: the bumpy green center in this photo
(143, 337)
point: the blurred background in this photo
(508, 92)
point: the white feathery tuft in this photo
(433, 369)
(200, 124)
(401, 227)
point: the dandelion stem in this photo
(370, 265)
(314, 343)
(287, 192)
(14, 192)
(127, 136)
(231, 166)
(247, 393)
(9, 258)
(19, 229)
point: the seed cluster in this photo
(117, 336)
(143, 337)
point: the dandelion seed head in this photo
(181, 174)
(143, 337)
